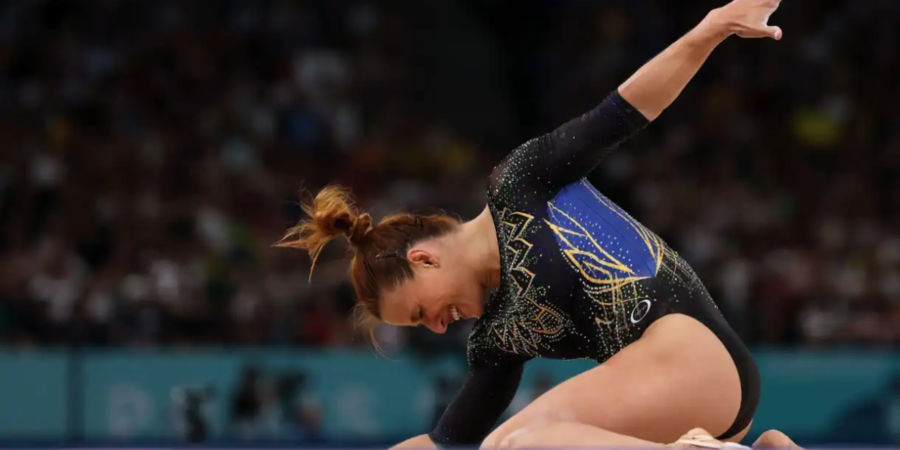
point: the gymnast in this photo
(570, 275)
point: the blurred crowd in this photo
(153, 151)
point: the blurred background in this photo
(151, 151)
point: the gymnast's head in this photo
(407, 269)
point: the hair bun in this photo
(331, 214)
(359, 228)
(347, 224)
(333, 224)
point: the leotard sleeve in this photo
(487, 392)
(571, 151)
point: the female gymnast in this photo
(572, 276)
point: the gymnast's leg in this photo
(571, 434)
(676, 377)
(574, 434)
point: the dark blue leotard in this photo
(580, 278)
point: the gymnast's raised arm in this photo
(574, 149)
(659, 82)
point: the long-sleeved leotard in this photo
(580, 278)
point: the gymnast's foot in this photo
(775, 439)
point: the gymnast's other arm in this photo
(487, 392)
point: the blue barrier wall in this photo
(825, 396)
(34, 394)
(360, 395)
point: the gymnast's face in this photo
(442, 291)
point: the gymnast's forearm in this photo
(418, 442)
(659, 82)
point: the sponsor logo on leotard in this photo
(640, 310)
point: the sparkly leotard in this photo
(580, 278)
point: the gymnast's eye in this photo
(417, 316)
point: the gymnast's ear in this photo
(423, 258)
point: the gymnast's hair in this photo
(379, 251)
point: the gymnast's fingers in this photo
(750, 18)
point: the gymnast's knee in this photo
(493, 440)
(523, 437)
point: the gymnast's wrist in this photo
(714, 27)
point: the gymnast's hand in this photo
(747, 18)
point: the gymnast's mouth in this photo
(456, 314)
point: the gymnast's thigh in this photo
(677, 377)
